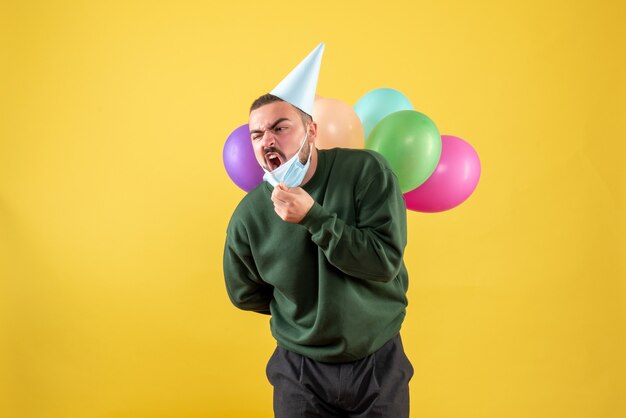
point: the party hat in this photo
(298, 88)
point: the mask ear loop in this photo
(306, 136)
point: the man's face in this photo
(277, 132)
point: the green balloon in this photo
(411, 144)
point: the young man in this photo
(319, 247)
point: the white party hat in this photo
(298, 88)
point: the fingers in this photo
(279, 196)
(291, 204)
(282, 193)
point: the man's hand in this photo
(291, 203)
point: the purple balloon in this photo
(453, 181)
(239, 160)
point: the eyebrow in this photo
(256, 131)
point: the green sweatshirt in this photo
(335, 284)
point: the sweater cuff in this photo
(314, 218)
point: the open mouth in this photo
(273, 160)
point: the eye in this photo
(280, 128)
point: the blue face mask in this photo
(291, 172)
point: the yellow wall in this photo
(114, 201)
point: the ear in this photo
(312, 132)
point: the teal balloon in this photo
(375, 105)
(411, 144)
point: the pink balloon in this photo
(453, 181)
(239, 160)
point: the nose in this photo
(268, 138)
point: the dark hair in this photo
(270, 98)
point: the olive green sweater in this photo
(335, 284)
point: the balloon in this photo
(239, 160)
(452, 182)
(411, 143)
(376, 104)
(337, 125)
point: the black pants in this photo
(376, 386)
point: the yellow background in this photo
(114, 201)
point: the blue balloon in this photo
(375, 105)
